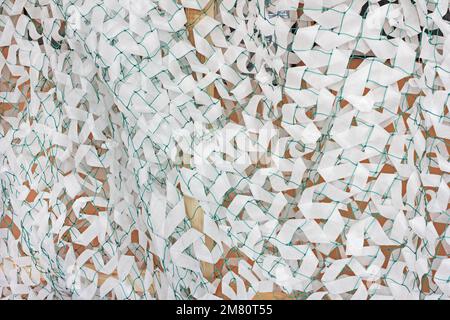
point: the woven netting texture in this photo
(230, 149)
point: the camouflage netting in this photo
(195, 149)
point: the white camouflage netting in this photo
(312, 135)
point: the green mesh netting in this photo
(226, 149)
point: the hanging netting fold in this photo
(224, 149)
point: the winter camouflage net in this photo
(229, 149)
